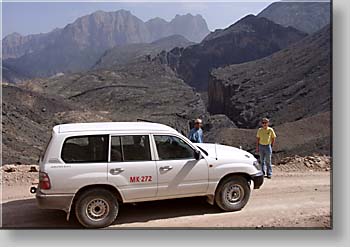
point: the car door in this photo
(179, 173)
(131, 168)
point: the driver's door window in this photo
(172, 148)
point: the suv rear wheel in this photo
(96, 208)
(232, 194)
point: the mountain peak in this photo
(101, 15)
(119, 11)
(157, 20)
(188, 15)
(123, 12)
(308, 17)
(193, 28)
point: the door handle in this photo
(116, 171)
(165, 168)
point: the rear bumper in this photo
(258, 179)
(56, 201)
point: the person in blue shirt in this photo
(196, 133)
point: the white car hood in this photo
(227, 153)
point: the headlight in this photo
(257, 165)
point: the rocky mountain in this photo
(124, 54)
(78, 45)
(291, 84)
(99, 29)
(145, 91)
(15, 45)
(248, 39)
(194, 28)
(305, 16)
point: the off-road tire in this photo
(232, 193)
(96, 208)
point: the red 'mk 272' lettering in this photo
(140, 179)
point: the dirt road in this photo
(293, 199)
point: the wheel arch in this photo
(108, 187)
(235, 174)
(216, 198)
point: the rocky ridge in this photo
(248, 39)
(125, 54)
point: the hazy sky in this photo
(35, 17)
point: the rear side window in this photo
(83, 149)
(130, 148)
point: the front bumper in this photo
(258, 179)
(56, 201)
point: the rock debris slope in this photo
(291, 84)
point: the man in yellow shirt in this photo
(265, 138)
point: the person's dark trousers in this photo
(265, 152)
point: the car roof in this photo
(113, 126)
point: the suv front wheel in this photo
(96, 208)
(232, 193)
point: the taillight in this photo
(44, 181)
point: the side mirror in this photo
(197, 155)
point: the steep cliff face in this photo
(305, 16)
(78, 45)
(288, 85)
(248, 39)
(99, 29)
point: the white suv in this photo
(92, 168)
